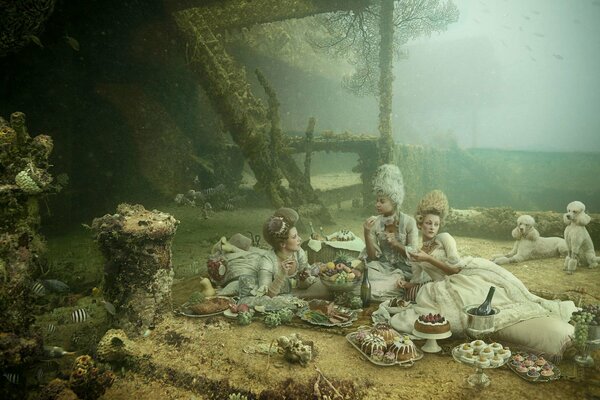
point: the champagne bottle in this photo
(365, 288)
(313, 234)
(486, 307)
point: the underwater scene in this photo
(299, 199)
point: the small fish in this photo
(55, 352)
(35, 40)
(39, 374)
(38, 289)
(110, 308)
(71, 41)
(196, 180)
(12, 377)
(228, 207)
(558, 56)
(51, 329)
(79, 315)
(55, 285)
(96, 292)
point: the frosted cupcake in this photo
(477, 345)
(465, 349)
(533, 374)
(468, 358)
(482, 362)
(540, 361)
(547, 372)
(503, 353)
(522, 369)
(528, 363)
(496, 346)
(518, 357)
(496, 361)
(486, 352)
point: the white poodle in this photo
(530, 245)
(579, 242)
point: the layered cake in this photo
(432, 324)
(404, 349)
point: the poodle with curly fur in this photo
(580, 245)
(530, 245)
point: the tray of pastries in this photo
(382, 345)
(533, 368)
(482, 354)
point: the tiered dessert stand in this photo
(431, 345)
(478, 327)
(477, 380)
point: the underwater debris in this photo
(294, 349)
(56, 352)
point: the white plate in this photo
(393, 310)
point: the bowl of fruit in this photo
(341, 274)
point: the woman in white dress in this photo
(455, 283)
(389, 235)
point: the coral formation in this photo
(87, 380)
(115, 346)
(136, 245)
(294, 349)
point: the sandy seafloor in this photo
(204, 353)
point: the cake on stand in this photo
(477, 380)
(431, 345)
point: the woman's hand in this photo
(369, 223)
(420, 256)
(391, 239)
(288, 265)
(402, 284)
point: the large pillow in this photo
(548, 335)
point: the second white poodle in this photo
(579, 242)
(530, 245)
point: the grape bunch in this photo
(587, 316)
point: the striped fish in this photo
(79, 315)
(51, 329)
(228, 207)
(38, 289)
(39, 375)
(12, 377)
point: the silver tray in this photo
(184, 310)
(351, 313)
(541, 378)
(406, 364)
(458, 358)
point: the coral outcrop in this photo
(136, 244)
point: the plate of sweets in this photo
(533, 368)
(382, 345)
(482, 354)
(395, 305)
(208, 307)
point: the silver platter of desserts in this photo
(540, 371)
(407, 363)
(460, 357)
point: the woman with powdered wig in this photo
(389, 236)
(278, 268)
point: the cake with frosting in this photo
(372, 344)
(385, 331)
(403, 348)
(432, 324)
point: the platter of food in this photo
(206, 308)
(481, 354)
(395, 305)
(533, 368)
(326, 313)
(384, 346)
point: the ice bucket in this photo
(479, 325)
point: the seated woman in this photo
(388, 235)
(279, 267)
(456, 283)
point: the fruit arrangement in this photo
(588, 316)
(339, 272)
(432, 318)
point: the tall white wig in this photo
(389, 182)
